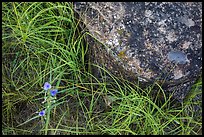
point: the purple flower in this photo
(42, 113)
(53, 92)
(47, 86)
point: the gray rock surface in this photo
(147, 41)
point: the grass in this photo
(41, 42)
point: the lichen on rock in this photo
(149, 41)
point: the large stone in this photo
(147, 41)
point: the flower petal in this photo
(42, 113)
(53, 92)
(46, 86)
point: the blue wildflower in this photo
(53, 92)
(47, 86)
(42, 113)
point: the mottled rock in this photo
(147, 41)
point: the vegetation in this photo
(41, 43)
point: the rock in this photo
(147, 41)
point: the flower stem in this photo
(48, 115)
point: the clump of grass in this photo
(41, 43)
